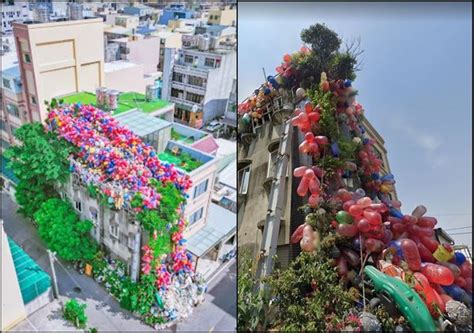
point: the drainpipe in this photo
(135, 264)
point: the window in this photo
(13, 110)
(196, 216)
(176, 93)
(195, 98)
(209, 62)
(113, 230)
(13, 129)
(78, 205)
(243, 178)
(33, 100)
(27, 58)
(123, 239)
(188, 59)
(93, 213)
(272, 162)
(196, 81)
(6, 84)
(178, 77)
(201, 188)
(3, 125)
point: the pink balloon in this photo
(363, 225)
(346, 205)
(373, 245)
(364, 202)
(347, 230)
(307, 244)
(373, 217)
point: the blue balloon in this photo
(256, 91)
(458, 294)
(395, 213)
(335, 149)
(267, 91)
(375, 176)
(362, 129)
(387, 177)
(365, 141)
(459, 258)
(347, 83)
(397, 246)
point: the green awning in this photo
(32, 279)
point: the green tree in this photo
(38, 162)
(323, 41)
(75, 313)
(63, 231)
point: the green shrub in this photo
(75, 313)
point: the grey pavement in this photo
(103, 311)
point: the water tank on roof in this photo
(112, 99)
(204, 43)
(213, 43)
(151, 92)
(41, 14)
(101, 97)
(75, 11)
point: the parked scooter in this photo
(229, 255)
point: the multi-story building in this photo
(175, 12)
(13, 11)
(199, 80)
(141, 50)
(222, 16)
(230, 115)
(140, 10)
(260, 193)
(58, 58)
(14, 111)
(168, 39)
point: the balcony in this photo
(186, 69)
(188, 87)
(180, 101)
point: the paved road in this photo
(103, 310)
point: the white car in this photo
(214, 126)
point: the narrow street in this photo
(103, 311)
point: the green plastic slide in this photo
(406, 299)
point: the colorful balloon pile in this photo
(111, 157)
(400, 245)
(121, 166)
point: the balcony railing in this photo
(188, 87)
(192, 69)
(186, 103)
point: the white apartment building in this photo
(17, 12)
(198, 79)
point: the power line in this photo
(461, 233)
(466, 227)
(454, 214)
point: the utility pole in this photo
(52, 257)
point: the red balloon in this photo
(452, 267)
(425, 254)
(466, 270)
(437, 274)
(397, 228)
(355, 210)
(373, 245)
(341, 266)
(431, 297)
(427, 222)
(373, 217)
(394, 219)
(411, 254)
(363, 225)
(460, 281)
(468, 286)
(446, 298)
(430, 243)
(347, 205)
(347, 230)
(409, 219)
(297, 234)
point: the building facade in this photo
(198, 82)
(58, 58)
(16, 12)
(258, 188)
(222, 16)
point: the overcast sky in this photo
(415, 86)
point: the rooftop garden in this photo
(181, 138)
(182, 160)
(127, 101)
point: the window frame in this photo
(198, 188)
(213, 62)
(243, 181)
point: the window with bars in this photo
(6, 83)
(210, 62)
(189, 59)
(114, 230)
(195, 98)
(272, 162)
(196, 81)
(123, 239)
(78, 205)
(177, 93)
(178, 77)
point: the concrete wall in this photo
(145, 51)
(134, 79)
(13, 309)
(66, 57)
